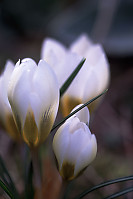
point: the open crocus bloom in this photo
(74, 145)
(6, 116)
(92, 79)
(33, 93)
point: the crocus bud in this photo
(92, 79)
(6, 116)
(74, 145)
(33, 94)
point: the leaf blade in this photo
(5, 188)
(71, 77)
(84, 193)
(86, 104)
(120, 193)
(5, 176)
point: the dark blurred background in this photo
(23, 26)
(25, 23)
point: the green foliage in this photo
(127, 178)
(5, 188)
(120, 193)
(7, 183)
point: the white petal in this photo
(61, 143)
(77, 142)
(52, 51)
(60, 59)
(5, 77)
(83, 114)
(46, 86)
(87, 154)
(8, 70)
(4, 80)
(2, 102)
(81, 45)
(76, 89)
(91, 87)
(73, 124)
(20, 97)
(66, 66)
(103, 73)
(20, 86)
(98, 60)
(35, 104)
(94, 54)
(26, 65)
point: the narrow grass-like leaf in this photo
(127, 178)
(78, 109)
(120, 193)
(4, 174)
(5, 188)
(71, 77)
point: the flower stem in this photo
(66, 187)
(36, 173)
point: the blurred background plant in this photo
(23, 26)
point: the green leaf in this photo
(71, 77)
(84, 193)
(78, 109)
(4, 174)
(120, 193)
(5, 188)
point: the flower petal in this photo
(62, 61)
(76, 143)
(81, 45)
(83, 114)
(4, 80)
(52, 47)
(61, 143)
(87, 154)
(20, 87)
(46, 86)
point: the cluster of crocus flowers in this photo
(6, 116)
(33, 94)
(74, 145)
(92, 79)
(29, 100)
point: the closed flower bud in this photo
(92, 79)
(74, 145)
(6, 116)
(33, 94)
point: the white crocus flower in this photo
(74, 145)
(6, 116)
(34, 97)
(92, 79)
